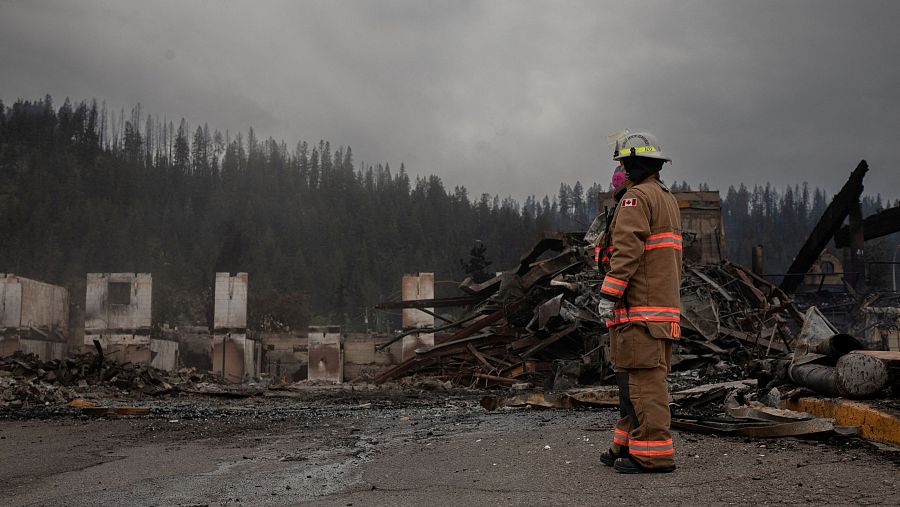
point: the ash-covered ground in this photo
(389, 446)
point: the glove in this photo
(605, 309)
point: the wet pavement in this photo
(404, 448)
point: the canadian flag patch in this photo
(631, 201)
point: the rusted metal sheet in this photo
(816, 329)
(230, 308)
(603, 396)
(326, 356)
(756, 429)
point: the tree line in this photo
(323, 236)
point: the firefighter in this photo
(641, 305)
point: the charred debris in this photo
(535, 323)
(746, 343)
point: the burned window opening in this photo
(119, 293)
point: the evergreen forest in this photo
(324, 236)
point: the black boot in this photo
(609, 457)
(628, 466)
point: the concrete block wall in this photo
(230, 309)
(362, 360)
(285, 356)
(118, 320)
(27, 303)
(415, 287)
(34, 317)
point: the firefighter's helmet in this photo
(638, 144)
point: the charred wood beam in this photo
(756, 340)
(825, 229)
(459, 346)
(487, 366)
(874, 226)
(550, 340)
(440, 317)
(408, 332)
(551, 240)
(455, 344)
(495, 378)
(429, 303)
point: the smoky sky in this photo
(507, 97)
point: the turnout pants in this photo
(641, 363)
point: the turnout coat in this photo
(641, 258)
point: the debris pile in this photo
(532, 324)
(26, 381)
(730, 314)
(536, 323)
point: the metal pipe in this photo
(758, 260)
(819, 378)
(837, 345)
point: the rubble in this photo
(27, 382)
(524, 325)
(535, 323)
(604, 396)
(745, 345)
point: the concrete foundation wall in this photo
(138, 353)
(326, 356)
(285, 356)
(117, 338)
(363, 361)
(44, 349)
(235, 355)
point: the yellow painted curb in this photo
(873, 424)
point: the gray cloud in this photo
(502, 97)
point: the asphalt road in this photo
(431, 452)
